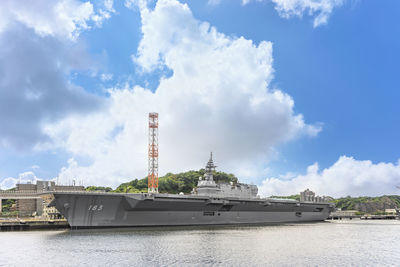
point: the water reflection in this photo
(329, 243)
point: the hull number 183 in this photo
(95, 207)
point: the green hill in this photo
(99, 188)
(169, 183)
(368, 204)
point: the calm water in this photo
(344, 243)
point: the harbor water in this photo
(331, 243)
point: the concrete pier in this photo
(32, 224)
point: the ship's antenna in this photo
(210, 167)
(153, 153)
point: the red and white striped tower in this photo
(153, 153)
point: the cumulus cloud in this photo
(61, 18)
(321, 9)
(217, 99)
(347, 176)
(36, 59)
(103, 12)
(34, 88)
(24, 178)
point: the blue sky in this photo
(342, 74)
(341, 77)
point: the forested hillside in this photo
(368, 204)
(169, 183)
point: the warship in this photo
(210, 203)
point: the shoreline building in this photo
(28, 201)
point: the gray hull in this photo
(84, 210)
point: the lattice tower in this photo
(153, 153)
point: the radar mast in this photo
(210, 167)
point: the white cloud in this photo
(25, 177)
(33, 85)
(104, 12)
(321, 9)
(217, 99)
(36, 60)
(61, 18)
(141, 4)
(347, 176)
(106, 77)
(109, 5)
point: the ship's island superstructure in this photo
(210, 203)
